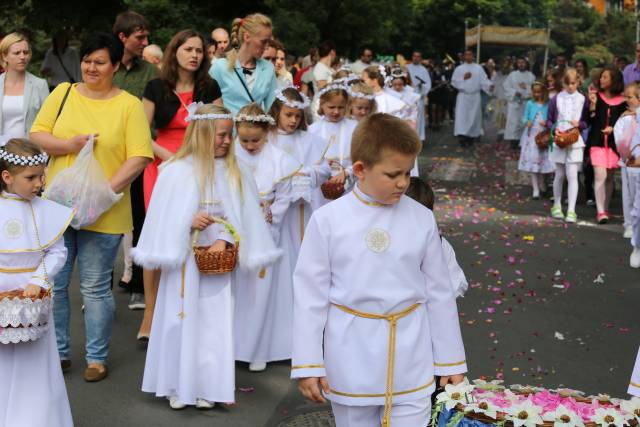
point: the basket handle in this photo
(229, 227)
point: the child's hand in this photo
(543, 124)
(451, 379)
(310, 388)
(575, 123)
(608, 130)
(218, 246)
(339, 179)
(32, 291)
(201, 221)
(529, 123)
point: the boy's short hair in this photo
(421, 192)
(380, 132)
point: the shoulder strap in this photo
(64, 100)
(244, 85)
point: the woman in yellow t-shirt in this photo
(123, 148)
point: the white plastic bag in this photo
(83, 186)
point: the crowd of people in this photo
(569, 122)
(260, 204)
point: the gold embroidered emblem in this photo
(377, 240)
(13, 229)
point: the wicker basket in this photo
(23, 319)
(542, 139)
(483, 418)
(331, 190)
(218, 262)
(565, 138)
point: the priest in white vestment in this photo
(469, 79)
(421, 83)
(517, 88)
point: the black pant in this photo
(136, 285)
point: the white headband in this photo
(332, 86)
(346, 80)
(18, 160)
(255, 118)
(355, 94)
(289, 103)
(191, 116)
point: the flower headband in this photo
(191, 116)
(330, 87)
(18, 160)
(289, 103)
(355, 94)
(254, 118)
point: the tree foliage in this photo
(388, 26)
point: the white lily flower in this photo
(455, 394)
(568, 392)
(607, 417)
(564, 417)
(631, 408)
(525, 389)
(525, 414)
(485, 408)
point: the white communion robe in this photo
(337, 137)
(468, 120)
(517, 98)
(421, 82)
(408, 113)
(190, 353)
(32, 388)
(308, 149)
(376, 259)
(264, 299)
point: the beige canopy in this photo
(513, 36)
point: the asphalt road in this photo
(549, 304)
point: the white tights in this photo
(537, 182)
(570, 171)
(603, 187)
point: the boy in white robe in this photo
(374, 314)
(32, 251)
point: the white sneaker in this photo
(204, 404)
(628, 232)
(175, 403)
(634, 259)
(257, 366)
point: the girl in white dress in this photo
(533, 159)
(336, 129)
(375, 77)
(264, 298)
(567, 110)
(32, 251)
(362, 101)
(190, 358)
(401, 89)
(290, 135)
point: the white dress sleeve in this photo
(444, 324)
(54, 259)
(311, 284)
(458, 280)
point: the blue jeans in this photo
(96, 254)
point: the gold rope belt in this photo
(18, 270)
(392, 318)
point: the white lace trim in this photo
(18, 335)
(18, 312)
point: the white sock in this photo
(535, 184)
